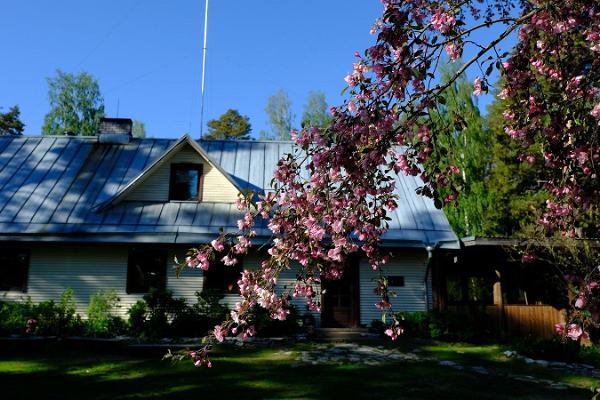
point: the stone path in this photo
(351, 353)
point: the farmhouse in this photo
(112, 212)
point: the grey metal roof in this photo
(49, 187)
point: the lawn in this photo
(276, 373)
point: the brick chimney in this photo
(115, 130)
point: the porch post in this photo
(499, 303)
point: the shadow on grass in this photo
(248, 374)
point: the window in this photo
(186, 182)
(146, 269)
(221, 278)
(14, 264)
(396, 281)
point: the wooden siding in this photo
(189, 282)
(217, 188)
(86, 269)
(412, 265)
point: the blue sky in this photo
(146, 55)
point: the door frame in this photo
(353, 268)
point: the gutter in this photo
(430, 251)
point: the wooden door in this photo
(340, 299)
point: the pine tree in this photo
(230, 125)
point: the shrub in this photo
(101, 321)
(199, 318)
(208, 305)
(439, 325)
(58, 319)
(555, 349)
(162, 310)
(161, 315)
(156, 315)
(14, 316)
(137, 318)
(415, 324)
(269, 327)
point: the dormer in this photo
(184, 173)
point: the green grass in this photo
(273, 374)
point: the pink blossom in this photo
(394, 332)
(580, 302)
(191, 262)
(596, 111)
(442, 21)
(217, 244)
(574, 331)
(352, 106)
(220, 333)
(453, 51)
(515, 133)
(477, 87)
(504, 93)
(229, 261)
(528, 258)
(202, 259)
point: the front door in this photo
(340, 299)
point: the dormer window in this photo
(186, 182)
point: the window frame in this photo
(159, 252)
(396, 281)
(210, 276)
(25, 269)
(175, 167)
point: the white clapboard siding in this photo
(85, 269)
(189, 281)
(411, 264)
(217, 188)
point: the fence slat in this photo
(520, 320)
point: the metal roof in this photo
(51, 187)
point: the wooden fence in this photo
(517, 320)
(532, 320)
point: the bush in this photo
(198, 319)
(137, 318)
(158, 315)
(101, 321)
(161, 315)
(438, 325)
(269, 327)
(14, 316)
(58, 319)
(162, 310)
(416, 324)
(555, 349)
(208, 305)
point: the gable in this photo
(155, 187)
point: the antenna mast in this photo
(203, 69)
